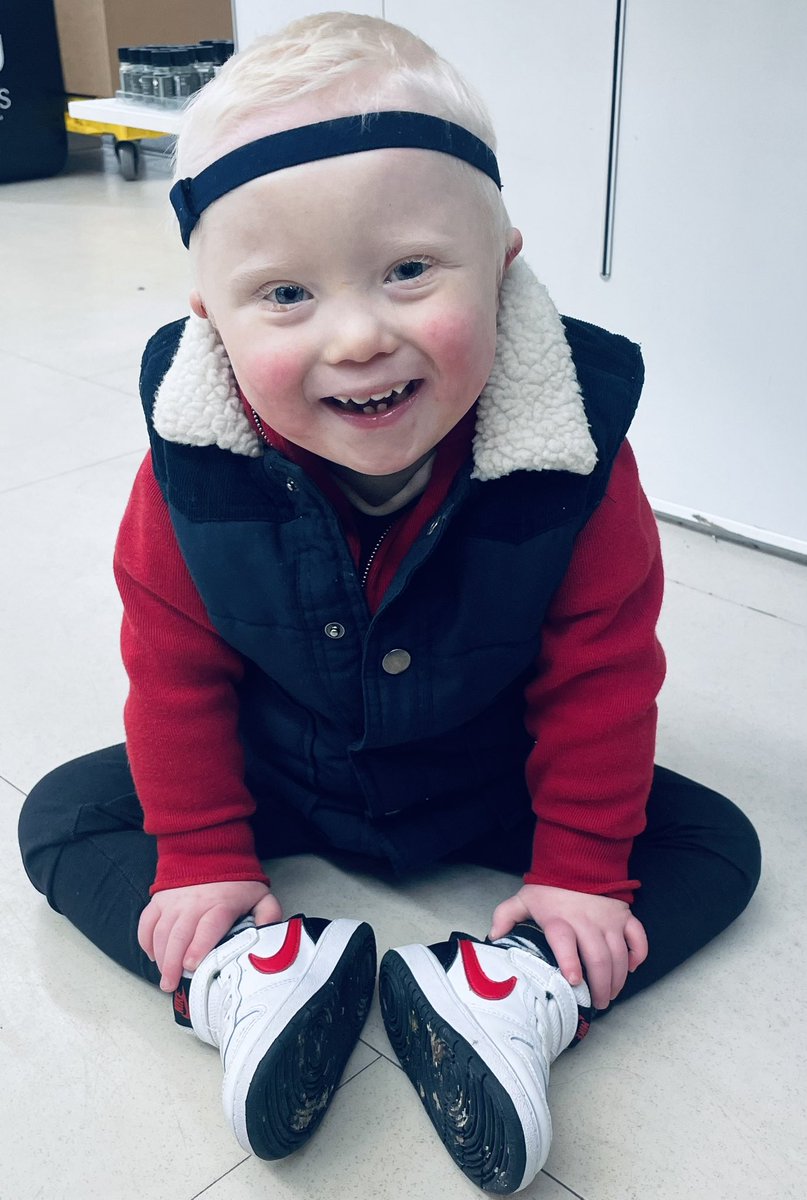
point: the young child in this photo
(390, 587)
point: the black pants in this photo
(83, 846)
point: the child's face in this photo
(350, 277)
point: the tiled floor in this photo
(694, 1090)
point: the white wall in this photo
(710, 251)
(710, 258)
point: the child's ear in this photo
(514, 245)
(197, 305)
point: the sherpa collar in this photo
(530, 416)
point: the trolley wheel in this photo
(128, 156)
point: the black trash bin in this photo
(33, 139)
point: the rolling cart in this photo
(129, 124)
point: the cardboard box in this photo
(90, 32)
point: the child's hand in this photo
(179, 926)
(602, 932)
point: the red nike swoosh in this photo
(287, 953)
(181, 1004)
(478, 981)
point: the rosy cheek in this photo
(268, 375)
(459, 338)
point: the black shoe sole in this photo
(296, 1079)
(474, 1116)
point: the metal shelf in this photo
(145, 118)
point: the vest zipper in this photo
(369, 562)
(259, 426)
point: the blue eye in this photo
(285, 295)
(413, 268)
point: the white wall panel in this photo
(544, 70)
(251, 18)
(710, 249)
(710, 258)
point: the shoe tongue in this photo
(247, 922)
(529, 936)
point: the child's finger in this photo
(176, 946)
(267, 911)
(598, 963)
(563, 943)
(209, 931)
(506, 915)
(636, 940)
(145, 929)
(160, 936)
(620, 961)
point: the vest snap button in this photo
(396, 661)
(334, 630)
(291, 485)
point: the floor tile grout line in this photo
(132, 395)
(219, 1178)
(34, 362)
(213, 1182)
(379, 1054)
(726, 537)
(95, 378)
(391, 1061)
(565, 1186)
(17, 487)
(360, 1071)
(22, 793)
(690, 587)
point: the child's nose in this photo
(357, 334)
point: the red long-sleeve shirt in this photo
(590, 706)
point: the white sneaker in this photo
(284, 1004)
(476, 1026)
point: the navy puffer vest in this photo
(403, 735)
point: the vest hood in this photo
(530, 415)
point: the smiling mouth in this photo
(379, 402)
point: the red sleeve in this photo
(181, 714)
(592, 705)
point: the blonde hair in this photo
(365, 63)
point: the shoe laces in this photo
(215, 979)
(222, 990)
(548, 1021)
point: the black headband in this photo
(326, 139)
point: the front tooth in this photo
(395, 390)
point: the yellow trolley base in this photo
(100, 117)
